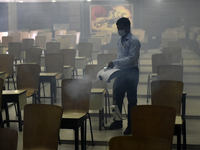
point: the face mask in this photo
(121, 32)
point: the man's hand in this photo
(110, 65)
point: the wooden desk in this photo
(17, 97)
(97, 103)
(73, 120)
(51, 78)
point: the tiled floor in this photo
(192, 86)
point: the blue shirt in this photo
(128, 52)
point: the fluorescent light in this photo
(89, 0)
(21, 1)
(53, 0)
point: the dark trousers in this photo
(127, 82)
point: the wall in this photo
(3, 17)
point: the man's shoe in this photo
(115, 125)
(127, 131)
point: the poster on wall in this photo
(104, 17)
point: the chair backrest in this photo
(153, 120)
(169, 93)
(113, 50)
(138, 143)
(41, 126)
(16, 36)
(40, 41)
(52, 47)
(60, 32)
(103, 59)
(33, 55)
(160, 59)
(176, 44)
(54, 62)
(170, 72)
(8, 139)
(76, 94)
(6, 40)
(27, 43)
(96, 43)
(15, 49)
(28, 76)
(64, 42)
(176, 53)
(85, 50)
(7, 63)
(69, 56)
(72, 43)
(91, 74)
(24, 35)
(48, 36)
(1, 89)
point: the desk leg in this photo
(85, 132)
(82, 137)
(54, 89)
(179, 138)
(76, 139)
(19, 117)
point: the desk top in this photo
(66, 66)
(80, 58)
(13, 92)
(48, 74)
(1, 73)
(97, 90)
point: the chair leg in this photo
(91, 128)
(16, 109)
(43, 88)
(14, 83)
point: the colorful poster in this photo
(104, 17)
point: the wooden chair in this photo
(170, 72)
(104, 59)
(177, 44)
(176, 53)
(169, 93)
(157, 59)
(153, 121)
(16, 36)
(138, 143)
(113, 50)
(15, 49)
(27, 43)
(99, 93)
(69, 59)
(1, 89)
(75, 103)
(6, 40)
(48, 36)
(52, 47)
(6, 66)
(41, 126)
(28, 79)
(33, 55)
(64, 42)
(85, 50)
(8, 139)
(40, 41)
(54, 63)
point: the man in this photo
(127, 61)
